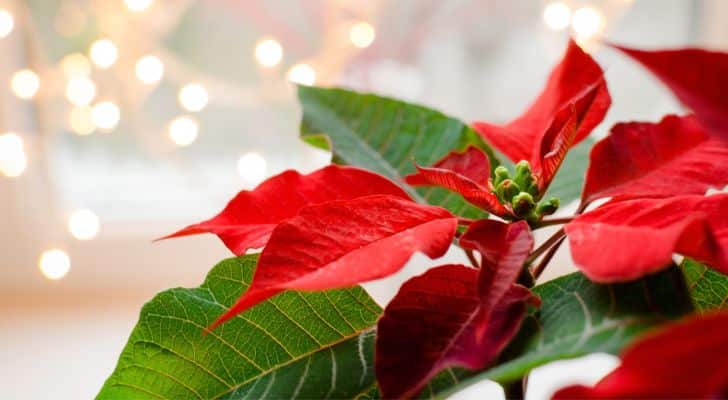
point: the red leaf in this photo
(438, 320)
(625, 240)
(641, 159)
(577, 80)
(504, 248)
(557, 141)
(342, 243)
(466, 173)
(699, 78)
(249, 218)
(686, 360)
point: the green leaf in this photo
(307, 345)
(708, 287)
(579, 317)
(385, 135)
(569, 181)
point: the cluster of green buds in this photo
(522, 194)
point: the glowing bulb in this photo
(362, 34)
(25, 84)
(54, 264)
(252, 168)
(12, 155)
(105, 115)
(80, 91)
(193, 97)
(104, 53)
(138, 5)
(268, 52)
(75, 64)
(557, 16)
(149, 69)
(587, 22)
(302, 74)
(83, 224)
(81, 121)
(6, 23)
(183, 131)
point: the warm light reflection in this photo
(104, 53)
(302, 74)
(268, 52)
(587, 22)
(557, 16)
(75, 64)
(81, 121)
(183, 131)
(83, 224)
(362, 34)
(80, 91)
(193, 97)
(25, 84)
(149, 69)
(138, 5)
(7, 22)
(12, 155)
(253, 168)
(54, 264)
(105, 115)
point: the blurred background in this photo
(124, 120)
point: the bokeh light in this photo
(557, 16)
(149, 69)
(587, 22)
(12, 155)
(302, 74)
(7, 22)
(105, 115)
(193, 97)
(25, 84)
(253, 168)
(104, 53)
(138, 5)
(183, 131)
(83, 224)
(80, 91)
(75, 64)
(362, 34)
(81, 121)
(268, 52)
(54, 264)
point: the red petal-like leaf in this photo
(625, 240)
(436, 321)
(342, 243)
(505, 248)
(556, 142)
(249, 218)
(699, 78)
(466, 173)
(577, 80)
(687, 360)
(641, 159)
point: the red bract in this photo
(578, 83)
(625, 240)
(249, 218)
(342, 243)
(684, 361)
(466, 173)
(639, 159)
(699, 78)
(454, 315)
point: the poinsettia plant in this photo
(291, 322)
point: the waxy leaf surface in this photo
(674, 157)
(686, 360)
(298, 345)
(249, 218)
(342, 243)
(625, 240)
(385, 135)
(438, 320)
(577, 81)
(697, 77)
(708, 287)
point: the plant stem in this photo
(465, 221)
(554, 221)
(545, 246)
(542, 265)
(515, 390)
(472, 258)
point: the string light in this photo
(83, 224)
(149, 69)
(183, 131)
(362, 34)
(12, 155)
(587, 22)
(105, 115)
(81, 121)
(80, 91)
(75, 64)
(54, 264)
(557, 16)
(253, 168)
(103, 53)
(193, 97)
(268, 52)
(7, 22)
(25, 84)
(302, 74)
(138, 5)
